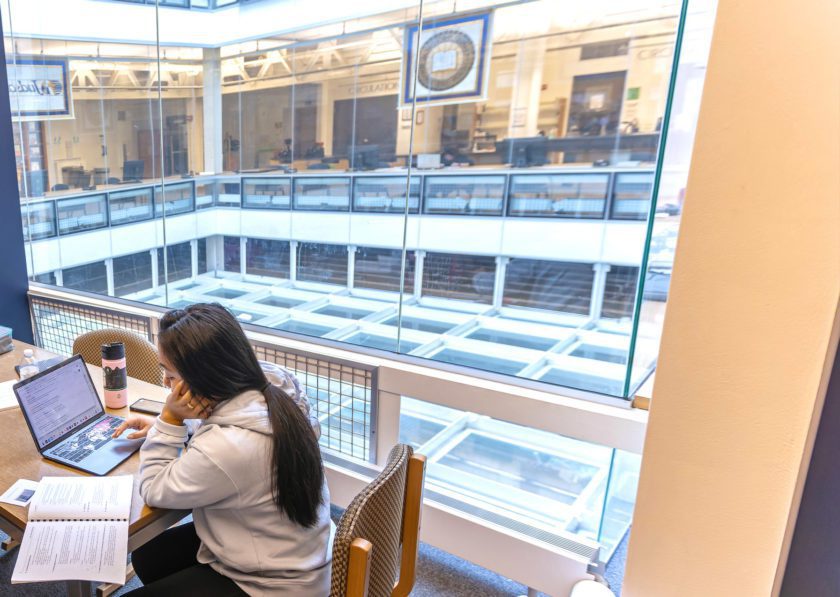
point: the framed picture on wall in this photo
(38, 88)
(451, 58)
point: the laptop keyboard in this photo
(82, 445)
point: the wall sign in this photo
(39, 88)
(453, 61)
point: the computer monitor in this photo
(363, 157)
(133, 169)
(524, 152)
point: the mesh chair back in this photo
(141, 360)
(376, 515)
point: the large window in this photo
(551, 285)
(483, 206)
(464, 277)
(322, 263)
(307, 172)
(132, 273)
(267, 257)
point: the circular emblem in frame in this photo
(446, 58)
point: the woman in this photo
(251, 473)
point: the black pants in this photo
(167, 565)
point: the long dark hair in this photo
(207, 346)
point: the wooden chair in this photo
(375, 546)
(141, 360)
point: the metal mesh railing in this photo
(341, 392)
(58, 323)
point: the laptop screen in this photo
(58, 401)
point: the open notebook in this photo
(77, 530)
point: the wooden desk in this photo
(21, 460)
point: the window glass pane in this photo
(322, 263)
(549, 285)
(178, 262)
(202, 256)
(231, 251)
(90, 277)
(380, 269)
(82, 213)
(47, 278)
(132, 273)
(620, 291)
(268, 257)
(465, 277)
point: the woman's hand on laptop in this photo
(181, 405)
(140, 423)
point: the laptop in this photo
(67, 420)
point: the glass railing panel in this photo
(38, 220)
(385, 194)
(559, 195)
(464, 195)
(322, 193)
(132, 205)
(77, 214)
(267, 193)
(631, 195)
(178, 197)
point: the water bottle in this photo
(115, 377)
(27, 367)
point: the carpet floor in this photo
(438, 573)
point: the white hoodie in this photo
(224, 476)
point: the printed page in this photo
(82, 497)
(83, 550)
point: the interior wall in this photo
(752, 301)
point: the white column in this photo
(212, 109)
(599, 285)
(293, 245)
(351, 266)
(499, 282)
(59, 278)
(155, 266)
(194, 257)
(243, 253)
(109, 275)
(420, 257)
(527, 86)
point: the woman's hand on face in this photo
(181, 404)
(141, 424)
